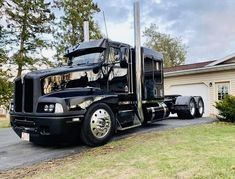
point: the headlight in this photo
(46, 108)
(56, 108)
(51, 107)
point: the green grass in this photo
(195, 152)
(4, 123)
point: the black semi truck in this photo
(105, 87)
(96, 94)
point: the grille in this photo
(18, 95)
(23, 95)
(28, 95)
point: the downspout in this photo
(138, 63)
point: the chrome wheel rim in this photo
(192, 108)
(100, 123)
(200, 106)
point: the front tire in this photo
(98, 125)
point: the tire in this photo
(190, 111)
(167, 114)
(98, 125)
(200, 107)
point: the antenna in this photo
(105, 25)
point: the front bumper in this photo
(44, 126)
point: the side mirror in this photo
(96, 69)
(124, 57)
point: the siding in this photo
(206, 78)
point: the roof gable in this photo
(232, 60)
(226, 60)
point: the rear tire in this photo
(200, 107)
(189, 112)
(98, 125)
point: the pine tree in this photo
(69, 30)
(28, 28)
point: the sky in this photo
(207, 27)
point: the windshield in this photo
(88, 58)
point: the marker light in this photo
(58, 108)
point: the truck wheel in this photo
(98, 125)
(190, 111)
(200, 107)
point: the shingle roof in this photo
(187, 67)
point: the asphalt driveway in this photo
(16, 153)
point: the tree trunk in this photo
(19, 70)
(22, 41)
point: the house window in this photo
(222, 90)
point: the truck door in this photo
(119, 83)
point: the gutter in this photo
(206, 69)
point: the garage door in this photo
(192, 90)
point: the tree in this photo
(28, 28)
(6, 91)
(69, 31)
(6, 87)
(173, 49)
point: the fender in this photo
(85, 102)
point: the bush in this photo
(226, 109)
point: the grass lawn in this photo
(4, 122)
(206, 151)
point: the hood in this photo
(60, 70)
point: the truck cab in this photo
(94, 95)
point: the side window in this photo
(118, 76)
(222, 90)
(152, 78)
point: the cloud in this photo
(115, 11)
(207, 27)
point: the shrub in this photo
(226, 108)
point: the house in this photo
(211, 79)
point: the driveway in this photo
(16, 153)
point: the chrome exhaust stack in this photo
(86, 31)
(138, 63)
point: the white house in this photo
(210, 79)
